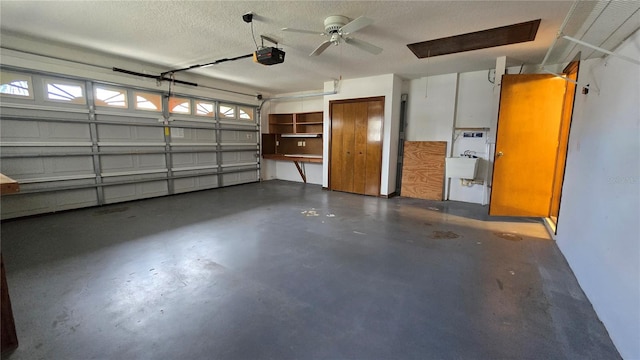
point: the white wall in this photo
(598, 229)
(438, 104)
(389, 86)
(431, 108)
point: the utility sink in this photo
(461, 167)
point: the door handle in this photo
(499, 153)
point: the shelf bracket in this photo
(301, 171)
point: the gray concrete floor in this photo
(244, 273)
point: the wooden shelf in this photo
(296, 123)
(303, 135)
(295, 137)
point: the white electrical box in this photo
(461, 167)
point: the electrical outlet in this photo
(277, 143)
(299, 143)
(249, 136)
(304, 143)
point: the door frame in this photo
(573, 66)
(346, 101)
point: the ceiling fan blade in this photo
(363, 45)
(302, 31)
(356, 25)
(321, 48)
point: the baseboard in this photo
(388, 196)
(550, 226)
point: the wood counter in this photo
(296, 159)
(8, 185)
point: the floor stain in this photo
(444, 235)
(508, 236)
(110, 211)
(500, 285)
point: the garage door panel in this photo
(194, 159)
(129, 118)
(239, 157)
(186, 135)
(120, 163)
(52, 183)
(26, 204)
(66, 131)
(25, 168)
(39, 131)
(129, 133)
(79, 114)
(16, 130)
(240, 178)
(183, 159)
(21, 168)
(127, 192)
(195, 183)
(115, 178)
(11, 151)
(237, 137)
(73, 199)
(72, 165)
(30, 204)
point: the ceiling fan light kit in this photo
(337, 28)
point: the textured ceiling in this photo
(182, 33)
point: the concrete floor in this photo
(248, 272)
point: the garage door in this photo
(73, 143)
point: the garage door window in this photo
(180, 105)
(14, 84)
(226, 111)
(65, 91)
(111, 97)
(245, 113)
(148, 101)
(204, 108)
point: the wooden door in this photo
(526, 144)
(356, 146)
(373, 157)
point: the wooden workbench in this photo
(296, 159)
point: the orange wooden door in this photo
(356, 146)
(373, 155)
(526, 144)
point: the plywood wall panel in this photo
(423, 169)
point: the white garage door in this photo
(73, 143)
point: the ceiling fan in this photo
(338, 28)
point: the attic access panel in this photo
(504, 35)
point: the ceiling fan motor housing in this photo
(332, 24)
